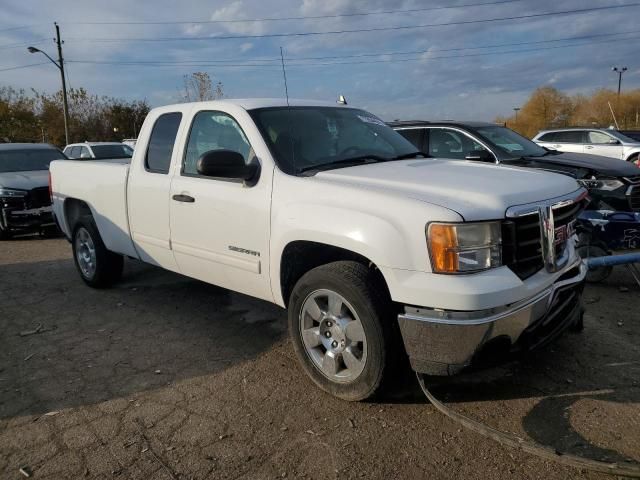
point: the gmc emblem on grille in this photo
(564, 232)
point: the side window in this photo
(599, 138)
(447, 143)
(569, 136)
(163, 137)
(84, 153)
(214, 131)
(548, 137)
(74, 152)
(415, 136)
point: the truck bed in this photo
(102, 185)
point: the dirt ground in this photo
(164, 377)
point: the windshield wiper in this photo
(405, 156)
(345, 162)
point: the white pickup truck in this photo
(376, 250)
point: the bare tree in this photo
(199, 87)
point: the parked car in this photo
(632, 134)
(612, 184)
(595, 141)
(25, 204)
(327, 211)
(98, 150)
(131, 142)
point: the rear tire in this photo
(340, 323)
(97, 266)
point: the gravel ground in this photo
(168, 378)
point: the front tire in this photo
(340, 326)
(97, 266)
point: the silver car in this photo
(595, 141)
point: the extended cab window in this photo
(414, 135)
(214, 131)
(163, 137)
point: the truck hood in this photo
(24, 180)
(476, 191)
(603, 165)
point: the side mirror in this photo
(226, 164)
(613, 141)
(480, 155)
(84, 155)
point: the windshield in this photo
(112, 151)
(621, 136)
(301, 138)
(510, 141)
(28, 159)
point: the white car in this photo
(98, 151)
(323, 209)
(595, 141)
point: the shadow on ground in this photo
(152, 329)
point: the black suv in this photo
(613, 184)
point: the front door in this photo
(599, 143)
(220, 227)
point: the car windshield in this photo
(28, 159)
(510, 141)
(621, 136)
(304, 138)
(112, 151)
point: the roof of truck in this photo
(253, 103)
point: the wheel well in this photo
(74, 209)
(633, 156)
(301, 256)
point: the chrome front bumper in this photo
(443, 342)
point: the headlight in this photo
(464, 247)
(8, 192)
(601, 184)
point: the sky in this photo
(469, 69)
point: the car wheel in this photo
(340, 324)
(98, 267)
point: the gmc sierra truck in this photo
(375, 249)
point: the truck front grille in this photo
(522, 239)
(634, 198)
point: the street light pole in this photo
(60, 65)
(619, 71)
(516, 109)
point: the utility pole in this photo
(619, 71)
(65, 104)
(516, 109)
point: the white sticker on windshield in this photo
(373, 120)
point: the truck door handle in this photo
(589, 146)
(184, 198)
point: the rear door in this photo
(569, 141)
(149, 186)
(220, 227)
(600, 143)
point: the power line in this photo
(23, 66)
(196, 63)
(274, 60)
(37, 41)
(308, 17)
(360, 30)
